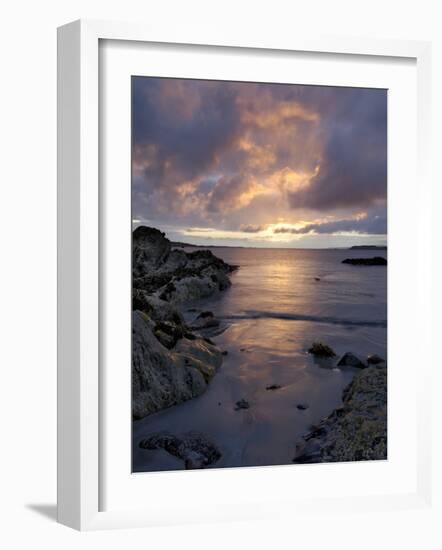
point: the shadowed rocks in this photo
(174, 275)
(170, 363)
(164, 375)
(193, 448)
(355, 431)
(377, 260)
(242, 404)
(321, 350)
(351, 360)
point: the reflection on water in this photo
(274, 310)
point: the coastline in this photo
(271, 388)
(171, 361)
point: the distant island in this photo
(178, 244)
(367, 247)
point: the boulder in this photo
(150, 250)
(351, 360)
(194, 448)
(321, 350)
(163, 377)
(242, 404)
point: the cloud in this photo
(230, 155)
(248, 228)
(353, 171)
(369, 225)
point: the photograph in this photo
(259, 274)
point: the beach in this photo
(278, 303)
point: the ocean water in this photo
(280, 301)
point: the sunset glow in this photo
(266, 165)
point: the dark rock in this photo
(377, 260)
(355, 431)
(169, 363)
(165, 339)
(158, 310)
(205, 320)
(172, 274)
(302, 406)
(205, 314)
(350, 360)
(273, 387)
(225, 352)
(162, 377)
(375, 360)
(321, 350)
(194, 448)
(242, 404)
(317, 278)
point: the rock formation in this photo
(377, 260)
(194, 448)
(170, 362)
(355, 431)
(174, 275)
(351, 360)
(321, 350)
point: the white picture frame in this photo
(79, 265)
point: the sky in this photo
(265, 165)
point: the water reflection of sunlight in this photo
(286, 285)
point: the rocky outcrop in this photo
(318, 349)
(205, 320)
(351, 360)
(355, 431)
(164, 375)
(375, 360)
(194, 448)
(173, 275)
(170, 363)
(377, 260)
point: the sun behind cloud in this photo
(231, 160)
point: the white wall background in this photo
(28, 268)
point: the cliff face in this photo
(170, 362)
(355, 431)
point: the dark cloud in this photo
(188, 128)
(242, 155)
(248, 228)
(354, 167)
(371, 225)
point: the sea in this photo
(280, 302)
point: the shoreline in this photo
(270, 387)
(171, 361)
